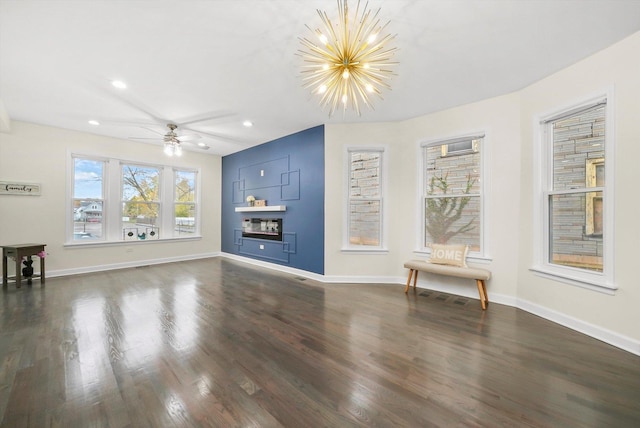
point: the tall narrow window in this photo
(364, 216)
(574, 196)
(184, 203)
(140, 202)
(577, 191)
(88, 199)
(452, 193)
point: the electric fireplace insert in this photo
(262, 228)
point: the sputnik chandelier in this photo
(351, 62)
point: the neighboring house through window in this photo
(88, 198)
(452, 186)
(185, 202)
(364, 217)
(576, 195)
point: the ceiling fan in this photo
(172, 141)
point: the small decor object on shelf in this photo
(260, 203)
(251, 200)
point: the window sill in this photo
(96, 243)
(595, 284)
(353, 250)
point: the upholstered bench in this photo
(480, 275)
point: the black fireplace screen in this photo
(262, 228)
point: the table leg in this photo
(18, 270)
(4, 270)
(41, 270)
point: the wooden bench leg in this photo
(406, 289)
(482, 290)
(414, 273)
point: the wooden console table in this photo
(18, 252)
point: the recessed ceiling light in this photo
(247, 123)
(94, 122)
(119, 84)
(201, 144)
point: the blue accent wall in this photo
(288, 171)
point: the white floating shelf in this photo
(261, 209)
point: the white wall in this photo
(40, 154)
(617, 67)
(507, 121)
(499, 119)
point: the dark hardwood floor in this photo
(219, 343)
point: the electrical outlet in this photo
(261, 246)
(262, 173)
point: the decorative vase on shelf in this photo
(251, 200)
(251, 203)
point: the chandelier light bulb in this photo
(168, 149)
(347, 69)
(322, 37)
(178, 150)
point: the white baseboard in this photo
(607, 336)
(136, 263)
(276, 267)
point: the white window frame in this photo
(195, 202)
(162, 193)
(478, 256)
(543, 188)
(346, 245)
(112, 191)
(70, 229)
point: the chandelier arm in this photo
(315, 48)
(328, 26)
(376, 48)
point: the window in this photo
(88, 198)
(452, 193)
(184, 202)
(116, 201)
(140, 202)
(575, 194)
(364, 199)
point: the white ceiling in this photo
(236, 60)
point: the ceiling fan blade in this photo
(183, 138)
(161, 134)
(214, 115)
(145, 138)
(198, 145)
(219, 137)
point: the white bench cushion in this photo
(462, 272)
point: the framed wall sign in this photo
(17, 188)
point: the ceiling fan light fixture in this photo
(168, 148)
